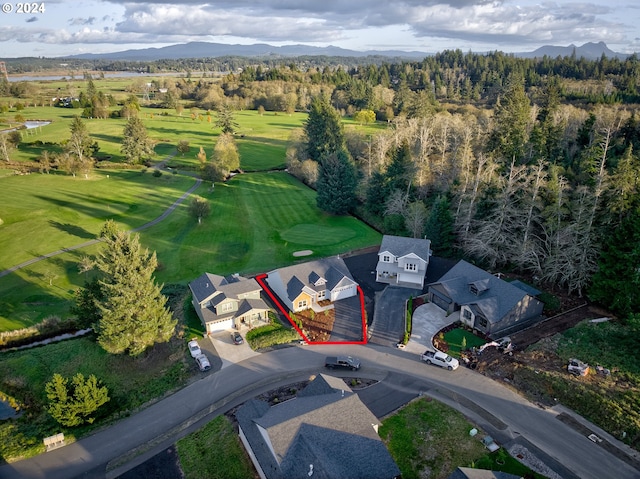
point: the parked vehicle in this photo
(440, 359)
(236, 338)
(577, 367)
(194, 348)
(203, 362)
(342, 362)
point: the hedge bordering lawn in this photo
(271, 335)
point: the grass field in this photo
(131, 383)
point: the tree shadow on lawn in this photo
(73, 230)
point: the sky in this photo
(68, 27)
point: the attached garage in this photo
(214, 327)
(439, 301)
(409, 278)
(343, 292)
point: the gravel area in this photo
(525, 456)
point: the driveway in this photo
(388, 325)
(427, 321)
(347, 325)
(228, 352)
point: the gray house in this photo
(403, 261)
(486, 303)
(228, 302)
(325, 432)
(313, 285)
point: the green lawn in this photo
(257, 222)
(429, 439)
(459, 337)
(214, 452)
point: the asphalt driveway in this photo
(388, 325)
(347, 325)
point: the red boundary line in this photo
(260, 278)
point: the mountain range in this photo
(590, 51)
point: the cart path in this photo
(151, 223)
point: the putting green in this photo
(317, 235)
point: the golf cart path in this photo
(151, 223)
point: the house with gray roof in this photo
(313, 285)
(228, 302)
(486, 303)
(470, 473)
(403, 261)
(324, 432)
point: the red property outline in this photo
(260, 279)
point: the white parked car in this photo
(203, 362)
(440, 359)
(194, 348)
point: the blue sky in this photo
(97, 26)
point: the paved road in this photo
(489, 404)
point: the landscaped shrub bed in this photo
(271, 335)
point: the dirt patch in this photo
(317, 326)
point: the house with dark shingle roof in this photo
(470, 473)
(486, 303)
(324, 432)
(305, 285)
(228, 302)
(403, 261)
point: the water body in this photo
(80, 77)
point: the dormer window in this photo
(479, 287)
(410, 267)
(473, 288)
(386, 259)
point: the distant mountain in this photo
(590, 51)
(212, 50)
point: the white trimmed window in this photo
(302, 303)
(410, 267)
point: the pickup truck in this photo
(342, 362)
(440, 359)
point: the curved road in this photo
(489, 404)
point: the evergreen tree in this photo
(439, 227)
(134, 315)
(136, 144)
(226, 120)
(80, 145)
(376, 194)
(74, 404)
(617, 281)
(336, 183)
(325, 135)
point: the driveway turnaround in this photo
(427, 321)
(488, 404)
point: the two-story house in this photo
(403, 261)
(228, 302)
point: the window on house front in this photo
(321, 295)
(302, 303)
(226, 307)
(482, 321)
(410, 267)
(466, 314)
(386, 259)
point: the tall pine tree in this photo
(336, 183)
(134, 315)
(323, 129)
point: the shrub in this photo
(73, 404)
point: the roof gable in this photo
(497, 297)
(400, 246)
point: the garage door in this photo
(440, 302)
(409, 278)
(342, 293)
(221, 326)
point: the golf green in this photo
(317, 235)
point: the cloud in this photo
(82, 21)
